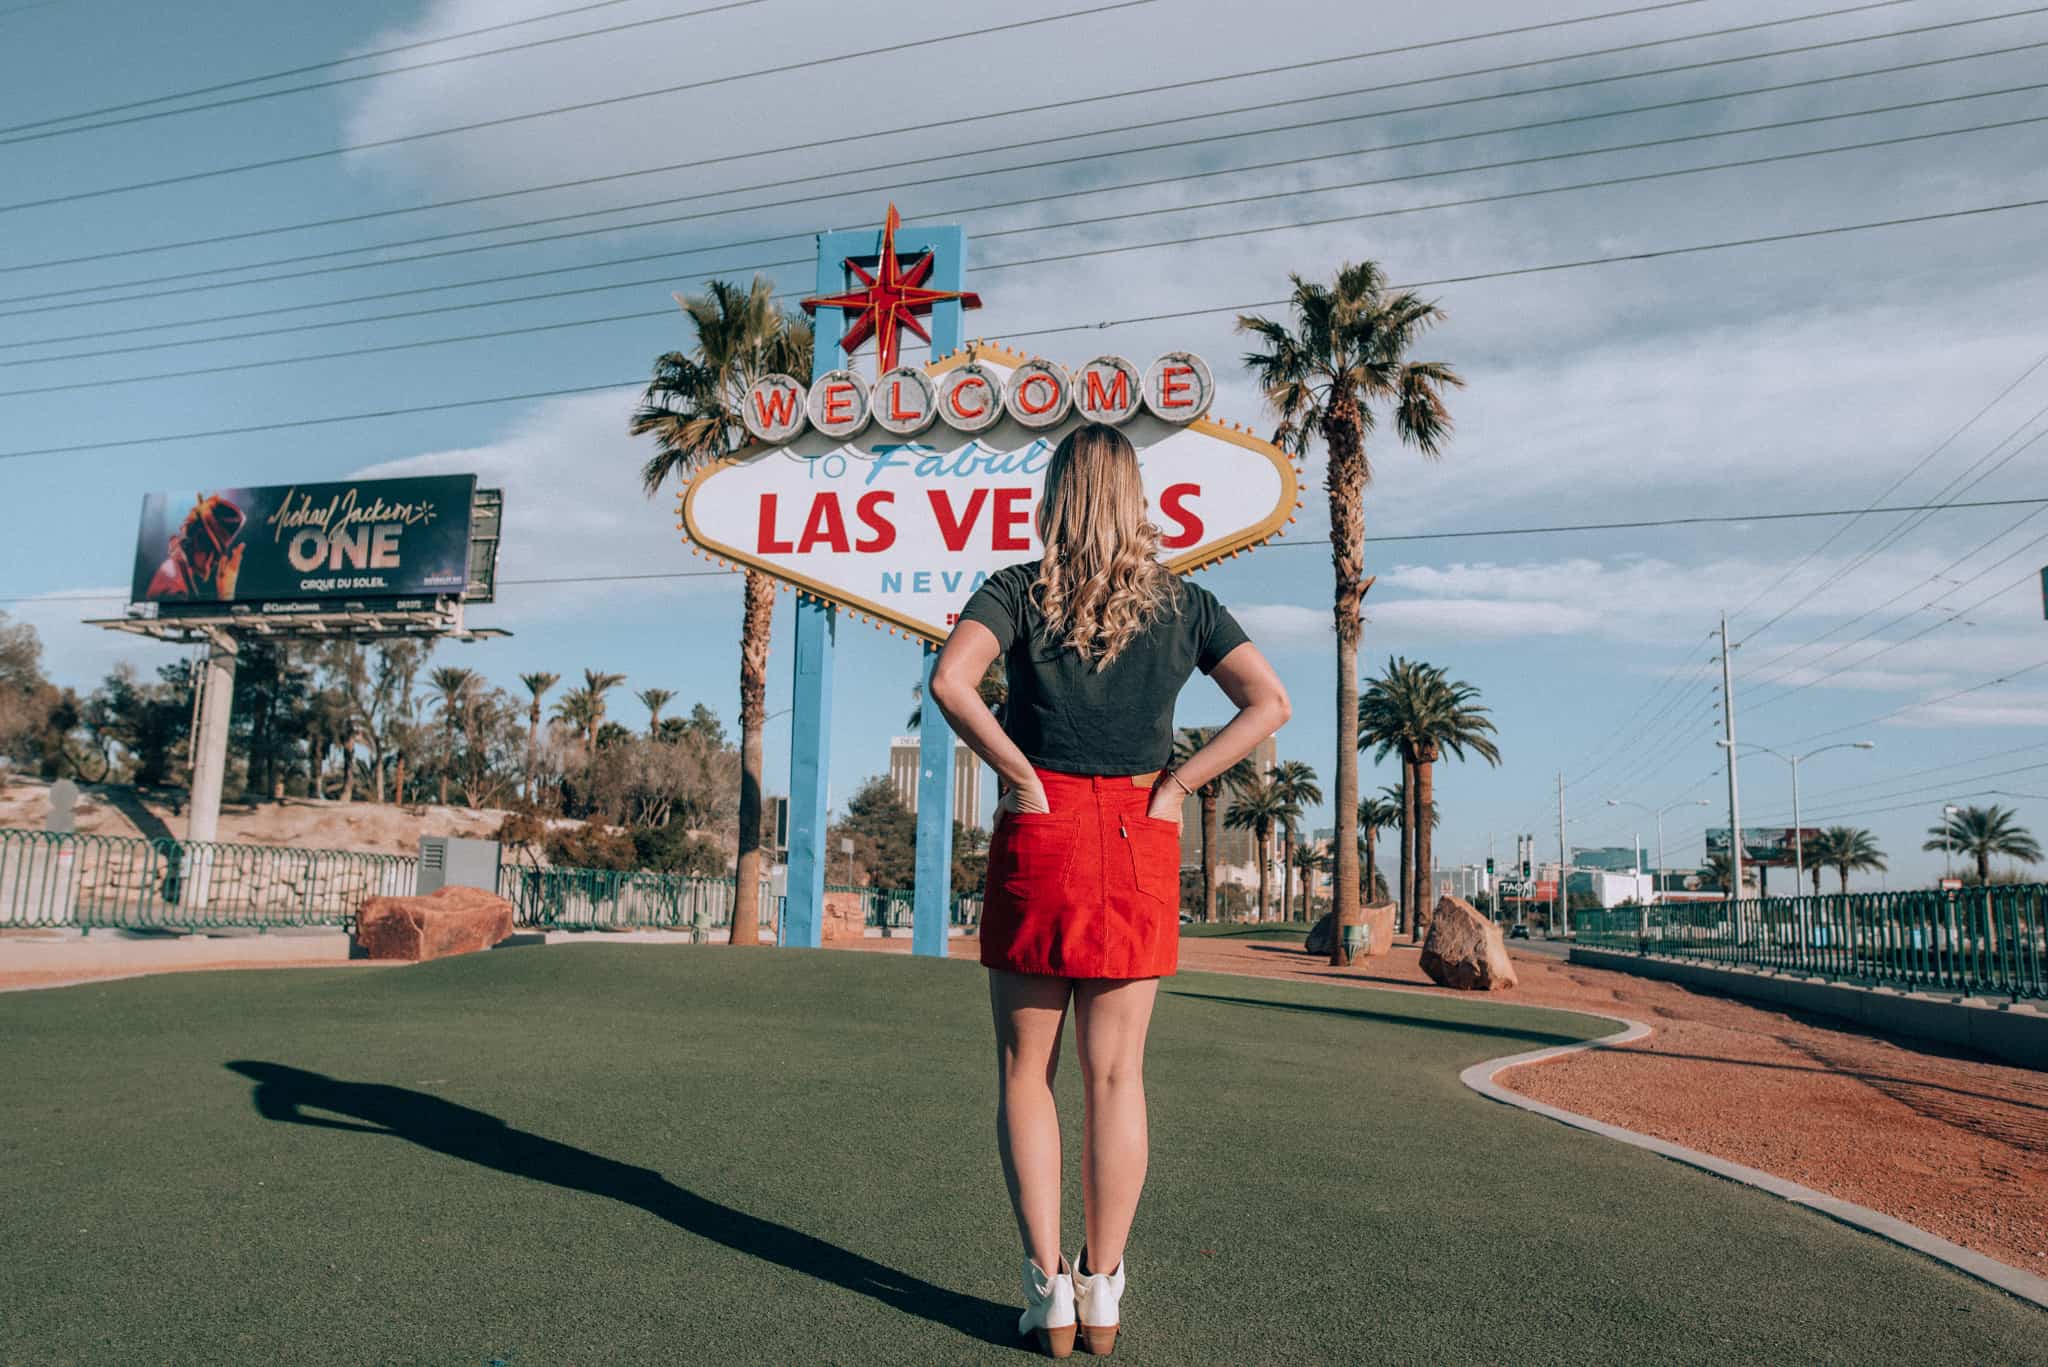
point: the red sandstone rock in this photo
(1377, 918)
(1465, 950)
(449, 921)
(845, 918)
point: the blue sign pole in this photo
(929, 917)
(811, 718)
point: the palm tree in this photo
(1848, 848)
(1375, 814)
(1982, 832)
(1719, 870)
(1347, 352)
(692, 409)
(1258, 809)
(1298, 786)
(1209, 796)
(583, 711)
(1310, 861)
(654, 699)
(537, 685)
(454, 685)
(597, 683)
(1415, 709)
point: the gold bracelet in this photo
(1177, 781)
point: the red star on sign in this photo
(892, 300)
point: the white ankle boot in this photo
(1096, 1295)
(1049, 1307)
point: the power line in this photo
(315, 66)
(1187, 240)
(1925, 702)
(1894, 535)
(668, 280)
(49, 132)
(926, 127)
(1295, 543)
(300, 158)
(1908, 640)
(1649, 255)
(1889, 489)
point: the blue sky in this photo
(1797, 375)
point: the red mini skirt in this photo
(1089, 889)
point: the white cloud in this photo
(572, 508)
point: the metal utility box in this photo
(447, 860)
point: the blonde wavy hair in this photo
(1101, 582)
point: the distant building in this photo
(1233, 848)
(903, 761)
(1611, 859)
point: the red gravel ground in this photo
(1950, 1142)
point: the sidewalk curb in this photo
(1480, 1078)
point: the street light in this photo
(1658, 812)
(1798, 836)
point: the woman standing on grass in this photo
(1083, 894)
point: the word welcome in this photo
(972, 397)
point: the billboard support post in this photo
(209, 756)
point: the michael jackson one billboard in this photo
(304, 547)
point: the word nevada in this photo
(972, 397)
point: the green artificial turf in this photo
(623, 1154)
(1246, 930)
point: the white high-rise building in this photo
(967, 767)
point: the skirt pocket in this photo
(1031, 852)
(1155, 858)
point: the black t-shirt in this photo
(1068, 716)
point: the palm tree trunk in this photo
(1984, 866)
(1265, 860)
(1344, 437)
(759, 617)
(1371, 881)
(1425, 848)
(1406, 872)
(532, 747)
(1286, 872)
(1210, 833)
(398, 781)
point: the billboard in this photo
(1761, 844)
(302, 547)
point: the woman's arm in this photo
(956, 692)
(1248, 680)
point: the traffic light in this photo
(1489, 866)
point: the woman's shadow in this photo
(282, 1093)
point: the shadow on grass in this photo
(1392, 1018)
(282, 1093)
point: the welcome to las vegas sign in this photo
(896, 500)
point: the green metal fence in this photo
(1982, 940)
(607, 899)
(114, 881)
(617, 899)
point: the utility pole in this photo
(1734, 801)
(1558, 904)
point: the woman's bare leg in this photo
(1110, 1019)
(1029, 1011)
